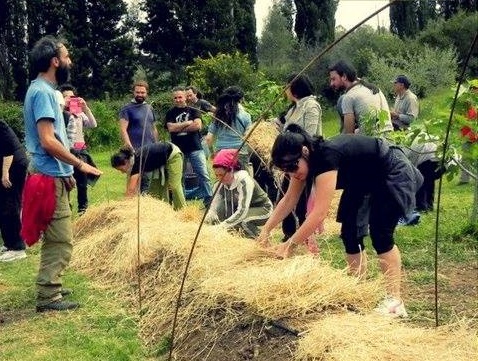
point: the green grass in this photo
(110, 186)
(106, 327)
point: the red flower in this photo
(467, 132)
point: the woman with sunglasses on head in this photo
(359, 165)
(240, 203)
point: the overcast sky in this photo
(349, 13)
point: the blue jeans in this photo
(197, 159)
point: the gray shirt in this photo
(307, 113)
(363, 103)
(406, 106)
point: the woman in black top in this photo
(361, 166)
(13, 170)
(164, 159)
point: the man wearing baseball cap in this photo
(405, 109)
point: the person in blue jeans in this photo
(184, 125)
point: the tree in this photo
(245, 24)
(448, 8)
(103, 53)
(403, 18)
(45, 17)
(426, 11)
(179, 31)
(457, 32)
(407, 18)
(315, 21)
(277, 42)
(287, 9)
(13, 62)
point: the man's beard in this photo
(139, 99)
(340, 88)
(62, 74)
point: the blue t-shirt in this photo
(227, 138)
(41, 102)
(139, 115)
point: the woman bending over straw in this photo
(361, 166)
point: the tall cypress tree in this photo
(287, 9)
(315, 21)
(277, 41)
(46, 17)
(448, 8)
(103, 53)
(245, 28)
(426, 11)
(403, 18)
(13, 58)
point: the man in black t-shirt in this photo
(194, 101)
(184, 125)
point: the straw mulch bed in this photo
(231, 285)
(352, 337)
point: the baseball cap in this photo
(402, 79)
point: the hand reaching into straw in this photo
(264, 239)
(286, 249)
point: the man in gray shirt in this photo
(362, 107)
(405, 109)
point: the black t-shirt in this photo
(186, 141)
(153, 156)
(203, 105)
(10, 145)
(358, 159)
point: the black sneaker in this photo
(59, 305)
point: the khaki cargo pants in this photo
(56, 248)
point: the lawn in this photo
(106, 328)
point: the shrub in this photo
(12, 114)
(267, 100)
(106, 135)
(458, 32)
(214, 74)
(421, 66)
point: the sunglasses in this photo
(290, 166)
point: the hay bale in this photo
(262, 139)
(352, 337)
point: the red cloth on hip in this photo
(38, 206)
